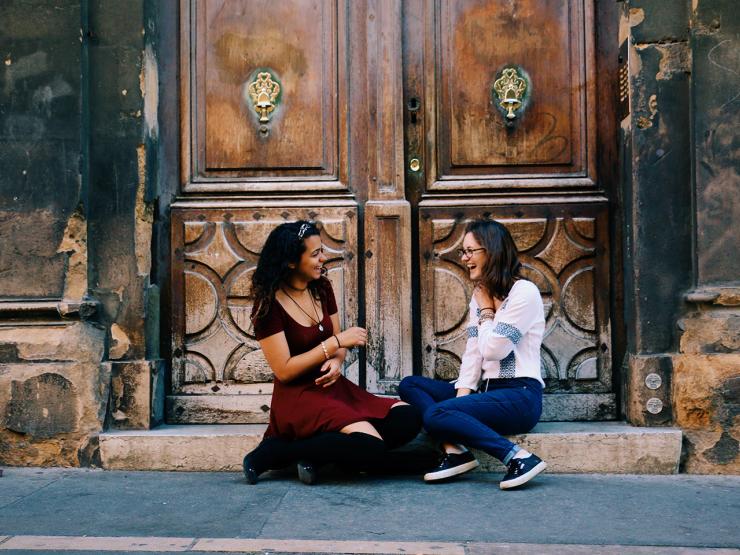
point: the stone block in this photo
(706, 404)
(131, 405)
(53, 393)
(712, 331)
(603, 447)
(186, 448)
(55, 341)
(648, 390)
(225, 409)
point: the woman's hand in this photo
(333, 371)
(484, 299)
(353, 337)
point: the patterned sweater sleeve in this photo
(497, 338)
(472, 361)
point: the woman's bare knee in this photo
(362, 427)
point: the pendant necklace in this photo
(317, 319)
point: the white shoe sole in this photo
(450, 472)
(524, 478)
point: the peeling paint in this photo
(144, 219)
(644, 122)
(74, 243)
(120, 342)
(624, 25)
(149, 84)
(637, 16)
(674, 58)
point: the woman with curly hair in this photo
(501, 363)
(317, 415)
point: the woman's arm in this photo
(472, 361)
(497, 337)
(287, 368)
(331, 370)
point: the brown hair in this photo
(502, 267)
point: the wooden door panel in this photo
(466, 46)
(562, 251)
(293, 52)
(216, 251)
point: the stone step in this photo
(568, 447)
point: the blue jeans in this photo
(509, 406)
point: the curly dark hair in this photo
(285, 245)
(502, 268)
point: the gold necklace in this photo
(317, 320)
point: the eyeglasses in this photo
(467, 253)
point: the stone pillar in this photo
(53, 390)
(78, 309)
(656, 196)
(706, 382)
(122, 166)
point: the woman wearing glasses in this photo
(499, 389)
(317, 416)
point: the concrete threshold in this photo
(568, 447)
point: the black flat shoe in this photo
(307, 472)
(250, 473)
(452, 464)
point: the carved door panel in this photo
(313, 108)
(266, 129)
(502, 100)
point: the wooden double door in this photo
(391, 124)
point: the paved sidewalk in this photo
(217, 512)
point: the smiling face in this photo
(475, 263)
(312, 260)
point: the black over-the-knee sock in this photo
(401, 425)
(272, 453)
(357, 450)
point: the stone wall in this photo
(87, 174)
(706, 381)
(79, 312)
(682, 270)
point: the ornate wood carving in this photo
(562, 251)
(465, 45)
(216, 252)
(228, 143)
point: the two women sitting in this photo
(318, 416)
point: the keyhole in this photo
(413, 105)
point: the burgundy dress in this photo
(301, 408)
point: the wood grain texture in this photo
(225, 146)
(216, 251)
(561, 248)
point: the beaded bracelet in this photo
(326, 353)
(485, 317)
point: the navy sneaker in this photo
(452, 464)
(522, 470)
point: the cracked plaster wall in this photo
(680, 152)
(78, 129)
